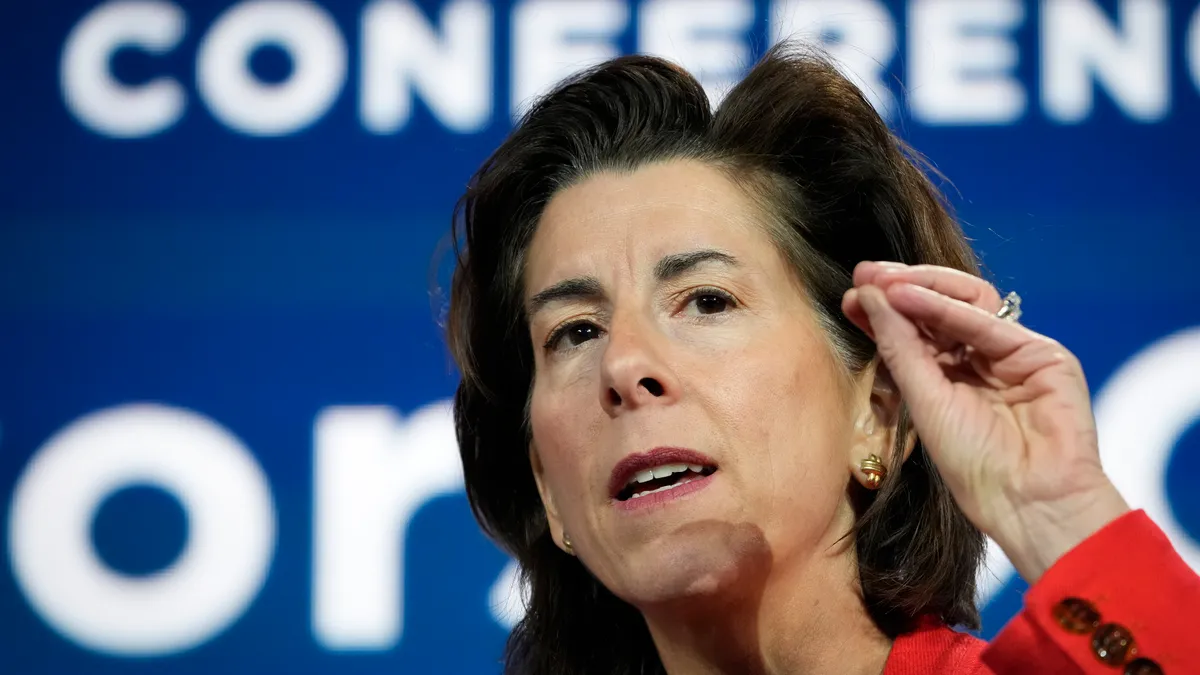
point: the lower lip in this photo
(660, 498)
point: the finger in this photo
(866, 271)
(1039, 354)
(853, 309)
(955, 320)
(900, 345)
(948, 281)
(945, 280)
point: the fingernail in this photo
(906, 287)
(868, 298)
(864, 265)
(891, 264)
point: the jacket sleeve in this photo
(1122, 601)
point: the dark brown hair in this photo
(839, 187)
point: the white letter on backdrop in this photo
(231, 530)
(508, 598)
(859, 34)
(372, 473)
(553, 38)
(961, 59)
(707, 37)
(1079, 45)
(1193, 47)
(99, 100)
(402, 53)
(239, 99)
(1142, 411)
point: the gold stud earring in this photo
(567, 543)
(874, 470)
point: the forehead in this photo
(640, 216)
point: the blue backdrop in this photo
(223, 439)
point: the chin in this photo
(704, 562)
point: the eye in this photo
(711, 301)
(572, 335)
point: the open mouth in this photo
(662, 478)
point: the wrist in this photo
(1037, 534)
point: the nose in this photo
(634, 370)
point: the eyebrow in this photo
(578, 288)
(589, 288)
(677, 264)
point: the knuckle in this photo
(987, 293)
(991, 295)
(1057, 352)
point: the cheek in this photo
(563, 431)
(790, 379)
(787, 409)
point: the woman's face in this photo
(690, 421)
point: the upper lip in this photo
(625, 469)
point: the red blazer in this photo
(1121, 603)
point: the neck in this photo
(804, 617)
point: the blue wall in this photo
(275, 287)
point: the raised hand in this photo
(1004, 412)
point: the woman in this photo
(717, 440)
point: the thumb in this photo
(917, 374)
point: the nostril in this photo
(652, 385)
(613, 397)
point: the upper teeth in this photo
(663, 471)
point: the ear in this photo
(879, 410)
(552, 519)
